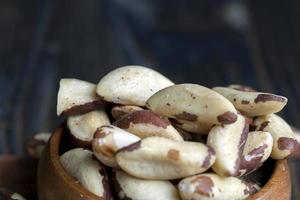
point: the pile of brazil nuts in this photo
(137, 135)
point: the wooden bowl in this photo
(54, 183)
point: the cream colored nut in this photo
(108, 140)
(129, 187)
(9, 195)
(194, 103)
(193, 127)
(145, 123)
(119, 111)
(257, 150)
(163, 159)
(83, 127)
(253, 103)
(79, 163)
(131, 85)
(37, 144)
(210, 186)
(76, 97)
(228, 141)
(242, 88)
(284, 141)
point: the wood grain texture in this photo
(279, 185)
(54, 183)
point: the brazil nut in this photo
(131, 85)
(108, 140)
(81, 165)
(284, 141)
(145, 123)
(253, 103)
(129, 187)
(228, 141)
(211, 186)
(83, 127)
(77, 97)
(162, 159)
(194, 103)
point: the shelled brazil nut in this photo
(79, 163)
(108, 140)
(130, 187)
(82, 127)
(165, 141)
(192, 103)
(253, 103)
(131, 85)
(76, 97)
(210, 186)
(285, 141)
(165, 159)
(145, 123)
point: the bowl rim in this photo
(280, 169)
(54, 144)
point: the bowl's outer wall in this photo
(52, 181)
(55, 184)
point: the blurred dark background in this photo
(210, 42)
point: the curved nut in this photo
(193, 127)
(8, 195)
(253, 103)
(284, 141)
(228, 141)
(108, 140)
(257, 150)
(76, 97)
(145, 123)
(129, 187)
(37, 144)
(194, 103)
(83, 127)
(213, 187)
(162, 159)
(131, 85)
(80, 164)
(119, 111)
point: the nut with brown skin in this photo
(9, 195)
(284, 141)
(164, 159)
(79, 163)
(145, 123)
(253, 103)
(131, 85)
(37, 144)
(119, 111)
(83, 127)
(257, 150)
(211, 186)
(193, 103)
(108, 140)
(76, 97)
(228, 141)
(130, 187)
